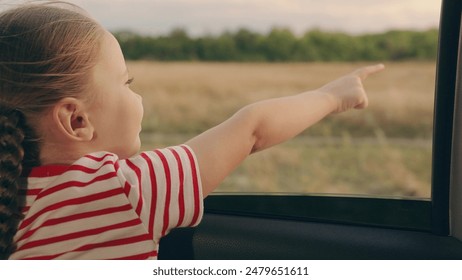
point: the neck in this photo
(59, 153)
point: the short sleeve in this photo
(164, 188)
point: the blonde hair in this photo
(46, 52)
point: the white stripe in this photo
(73, 244)
(113, 252)
(66, 194)
(80, 224)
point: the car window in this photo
(195, 64)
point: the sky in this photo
(199, 17)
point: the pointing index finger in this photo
(364, 72)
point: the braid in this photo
(11, 156)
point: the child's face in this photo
(117, 111)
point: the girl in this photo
(73, 185)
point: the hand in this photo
(348, 92)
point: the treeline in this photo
(281, 45)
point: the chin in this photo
(128, 153)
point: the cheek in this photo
(135, 110)
(139, 106)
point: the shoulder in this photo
(174, 157)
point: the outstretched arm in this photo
(261, 125)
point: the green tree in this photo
(249, 45)
(220, 48)
(279, 45)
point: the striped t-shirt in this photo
(101, 207)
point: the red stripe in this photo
(98, 159)
(30, 192)
(168, 192)
(143, 256)
(55, 170)
(117, 242)
(79, 234)
(137, 171)
(79, 216)
(81, 168)
(73, 201)
(127, 188)
(88, 247)
(71, 184)
(36, 258)
(181, 206)
(116, 166)
(152, 212)
(89, 170)
(47, 171)
(197, 203)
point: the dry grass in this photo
(183, 99)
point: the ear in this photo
(71, 120)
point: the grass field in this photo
(384, 150)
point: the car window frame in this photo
(428, 215)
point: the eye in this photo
(130, 81)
